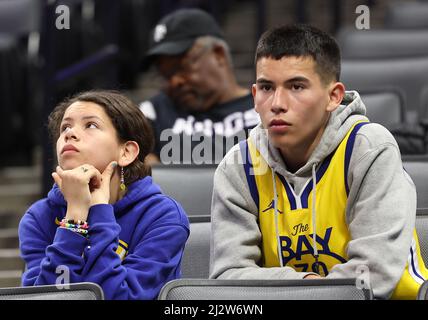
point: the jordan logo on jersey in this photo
(271, 206)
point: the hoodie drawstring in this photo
(314, 216)
(275, 205)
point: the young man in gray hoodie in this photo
(316, 190)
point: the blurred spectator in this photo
(201, 111)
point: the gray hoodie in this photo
(380, 211)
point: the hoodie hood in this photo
(137, 191)
(341, 120)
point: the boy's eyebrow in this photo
(291, 80)
(263, 80)
(297, 79)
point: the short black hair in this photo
(300, 40)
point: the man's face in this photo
(292, 102)
(193, 80)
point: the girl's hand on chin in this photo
(76, 185)
(101, 194)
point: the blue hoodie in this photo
(134, 246)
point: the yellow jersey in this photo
(294, 222)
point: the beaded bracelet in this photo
(79, 226)
(70, 225)
(81, 223)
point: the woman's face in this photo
(87, 135)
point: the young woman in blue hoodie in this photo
(104, 221)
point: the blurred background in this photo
(103, 47)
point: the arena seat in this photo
(384, 107)
(406, 15)
(382, 44)
(319, 289)
(423, 291)
(418, 171)
(196, 256)
(408, 75)
(72, 291)
(422, 230)
(190, 185)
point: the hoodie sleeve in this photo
(154, 261)
(381, 211)
(49, 262)
(236, 236)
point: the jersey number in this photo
(322, 268)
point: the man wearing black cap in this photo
(202, 111)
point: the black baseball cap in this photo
(176, 32)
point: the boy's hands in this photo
(312, 276)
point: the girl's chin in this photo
(69, 165)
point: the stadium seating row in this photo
(394, 58)
(200, 289)
(198, 183)
(196, 286)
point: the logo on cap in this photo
(159, 33)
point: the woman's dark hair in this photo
(127, 119)
(301, 40)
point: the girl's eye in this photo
(91, 125)
(65, 127)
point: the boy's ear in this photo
(253, 92)
(129, 153)
(336, 94)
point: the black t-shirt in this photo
(205, 137)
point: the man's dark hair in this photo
(127, 119)
(301, 41)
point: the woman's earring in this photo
(122, 180)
